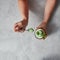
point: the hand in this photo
(43, 26)
(20, 26)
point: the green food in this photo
(30, 30)
(40, 34)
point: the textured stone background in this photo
(17, 46)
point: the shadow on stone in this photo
(37, 7)
(54, 57)
(52, 28)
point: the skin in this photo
(24, 10)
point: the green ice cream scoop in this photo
(40, 34)
(30, 30)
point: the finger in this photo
(38, 28)
(16, 29)
(18, 24)
(15, 25)
(22, 30)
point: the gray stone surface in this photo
(17, 46)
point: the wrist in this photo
(25, 18)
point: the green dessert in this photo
(40, 34)
(30, 30)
